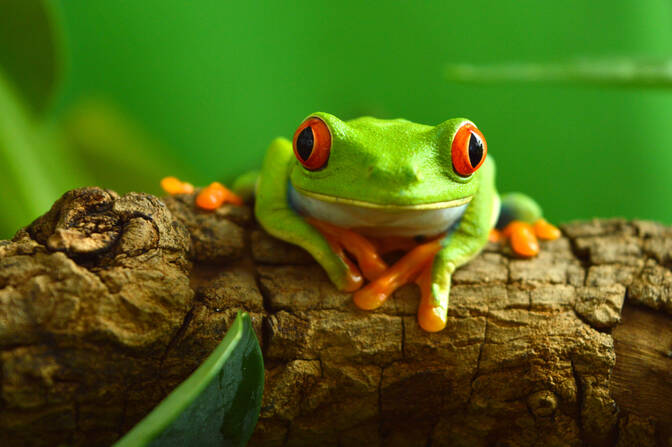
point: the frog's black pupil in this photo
(304, 143)
(475, 150)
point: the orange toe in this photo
(495, 235)
(522, 238)
(211, 197)
(372, 296)
(545, 230)
(371, 264)
(353, 279)
(173, 185)
(431, 318)
(215, 195)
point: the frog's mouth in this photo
(391, 207)
(376, 219)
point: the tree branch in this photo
(108, 302)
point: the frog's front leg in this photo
(365, 252)
(435, 281)
(280, 220)
(432, 264)
(458, 248)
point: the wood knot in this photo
(542, 403)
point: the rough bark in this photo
(108, 302)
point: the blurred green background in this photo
(198, 90)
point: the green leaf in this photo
(30, 49)
(218, 405)
(20, 161)
(606, 72)
(35, 166)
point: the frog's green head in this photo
(387, 163)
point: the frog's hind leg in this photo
(245, 185)
(520, 220)
(517, 206)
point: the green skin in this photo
(393, 164)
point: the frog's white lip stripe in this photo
(390, 207)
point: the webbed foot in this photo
(215, 195)
(524, 237)
(546, 231)
(173, 185)
(209, 198)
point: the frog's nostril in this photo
(397, 174)
(410, 174)
(417, 173)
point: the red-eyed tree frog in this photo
(350, 191)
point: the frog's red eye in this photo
(468, 150)
(312, 143)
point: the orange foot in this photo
(415, 265)
(173, 185)
(523, 237)
(215, 195)
(407, 269)
(209, 198)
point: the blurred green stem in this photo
(609, 72)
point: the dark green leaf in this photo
(217, 405)
(30, 52)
